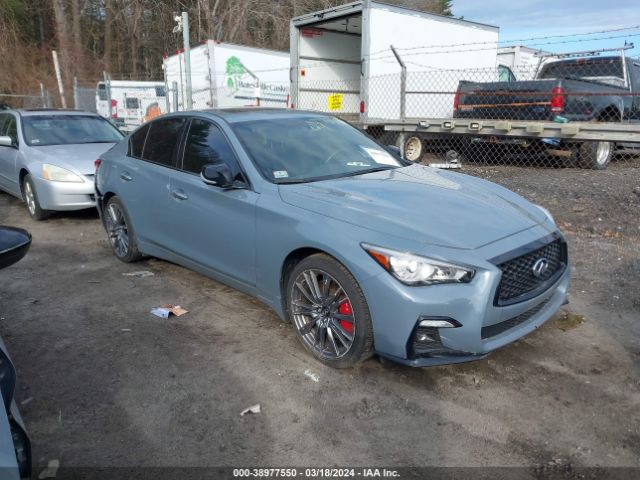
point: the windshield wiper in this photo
(290, 182)
(369, 170)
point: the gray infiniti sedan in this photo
(47, 157)
(360, 250)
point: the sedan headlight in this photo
(413, 269)
(59, 174)
(546, 212)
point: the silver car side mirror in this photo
(6, 141)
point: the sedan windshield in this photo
(42, 130)
(303, 149)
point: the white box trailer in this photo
(342, 62)
(226, 75)
(133, 102)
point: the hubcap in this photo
(117, 230)
(322, 313)
(602, 153)
(30, 198)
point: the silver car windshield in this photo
(304, 149)
(43, 130)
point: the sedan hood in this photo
(78, 156)
(420, 203)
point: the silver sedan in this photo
(47, 157)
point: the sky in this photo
(519, 19)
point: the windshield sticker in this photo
(380, 156)
(280, 174)
(358, 164)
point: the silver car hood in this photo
(420, 203)
(78, 156)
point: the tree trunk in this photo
(78, 51)
(62, 33)
(106, 59)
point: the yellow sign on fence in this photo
(335, 101)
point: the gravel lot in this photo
(104, 383)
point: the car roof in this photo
(27, 112)
(247, 114)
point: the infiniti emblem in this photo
(540, 267)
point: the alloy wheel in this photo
(117, 230)
(322, 314)
(30, 198)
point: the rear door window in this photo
(136, 142)
(132, 103)
(207, 144)
(162, 141)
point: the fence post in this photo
(403, 95)
(174, 93)
(107, 89)
(76, 102)
(43, 96)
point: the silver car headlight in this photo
(413, 269)
(546, 212)
(59, 174)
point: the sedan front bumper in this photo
(63, 196)
(397, 309)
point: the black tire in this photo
(361, 347)
(30, 196)
(595, 155)
(120, 231)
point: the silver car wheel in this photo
(30, 198)
(117, 230)
(323, 314)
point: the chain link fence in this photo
(42, 99)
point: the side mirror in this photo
(218, 174)
(7, 141)
(14, 243)
(394, 150)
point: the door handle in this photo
(179, 194)
(125, 176)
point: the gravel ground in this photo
(104, 383)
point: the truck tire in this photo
(413, 149)
(595, 155)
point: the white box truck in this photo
(132, 102)
(521, 60)
(227, 75)
(342, 61)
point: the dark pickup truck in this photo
(603, 89)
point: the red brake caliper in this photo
(345, 309)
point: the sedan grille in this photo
(521, 279)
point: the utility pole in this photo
(56, 65)
(187, 58)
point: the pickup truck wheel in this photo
(595, 155)
(413, 149)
